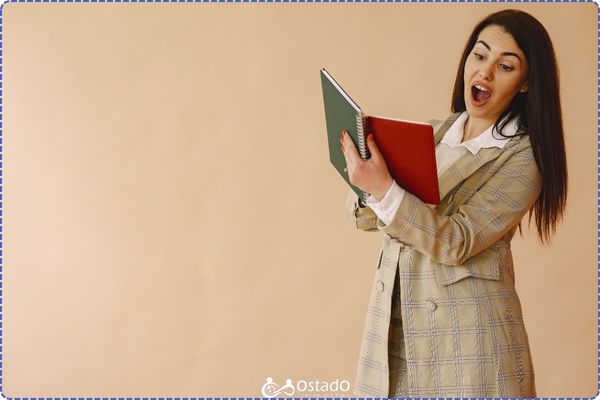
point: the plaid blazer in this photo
(461, 316)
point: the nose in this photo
(486, 70)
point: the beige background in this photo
(173, 226)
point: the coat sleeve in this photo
(436, 123)
(493, 210)
(364, 218)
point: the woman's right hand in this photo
(372, 175)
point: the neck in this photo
(475, 127)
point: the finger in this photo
(373, 146)
(347, 157)
(345, 153)
(345, 145)
(351, 150)
(349, 154)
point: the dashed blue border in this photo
(596, 2)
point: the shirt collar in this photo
(486, 139)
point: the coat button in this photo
(431, 305)
(380, 286)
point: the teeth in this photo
(480, 88)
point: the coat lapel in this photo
(466, 165)
(443, 128)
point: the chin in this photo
(484, 111)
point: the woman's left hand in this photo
(372, 175)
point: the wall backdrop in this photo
(173, 227)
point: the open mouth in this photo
(480, 94)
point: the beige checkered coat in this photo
(461, 316)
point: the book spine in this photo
(362, 142)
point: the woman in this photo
(444, 318)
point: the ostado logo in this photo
(272, 389)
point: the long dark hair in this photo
(538, 110)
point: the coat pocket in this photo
(484, 265)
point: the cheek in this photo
(467, 76)
(511, 88)
(507, 94)
(468, 68)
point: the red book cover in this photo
(409, 150)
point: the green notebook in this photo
(342, 113)
(408, 147)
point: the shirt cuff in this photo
(387, 207)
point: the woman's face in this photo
(495, 70)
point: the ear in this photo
(524, 88)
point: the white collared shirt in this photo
(447, 151)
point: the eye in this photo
(506, 68)
(478, 56)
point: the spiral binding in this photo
(360, 130)
(362, 142)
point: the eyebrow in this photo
(506, 53)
